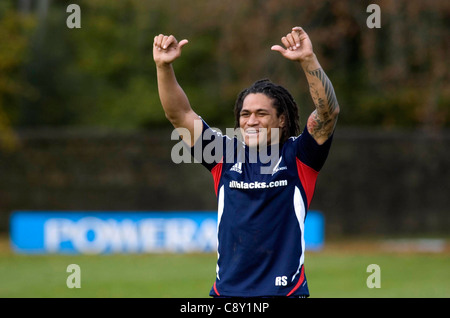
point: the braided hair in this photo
(282, 101)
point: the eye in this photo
(262, 113)
(245, 114)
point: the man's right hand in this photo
(166, 49)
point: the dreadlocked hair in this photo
(282, 101)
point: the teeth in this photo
(251, 131)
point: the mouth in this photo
(252, 132)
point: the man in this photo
(260, 215)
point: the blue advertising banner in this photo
(127, 232)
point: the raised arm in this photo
(322, 121)
(166, 49)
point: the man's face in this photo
(257, 118)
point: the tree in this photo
(14, 28)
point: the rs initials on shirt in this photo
(281, 281)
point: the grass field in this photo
(337, 271)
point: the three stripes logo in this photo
(237, 167)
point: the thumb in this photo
(278, 48)
(183, 43)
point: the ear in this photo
(282, 120)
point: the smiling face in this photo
(257, 117)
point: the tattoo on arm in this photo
(322, 121)
(320, 126)
(329, 90)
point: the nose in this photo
(252, 120)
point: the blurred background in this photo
(81, 126)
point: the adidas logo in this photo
(237, 167)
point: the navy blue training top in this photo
(261, 213)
